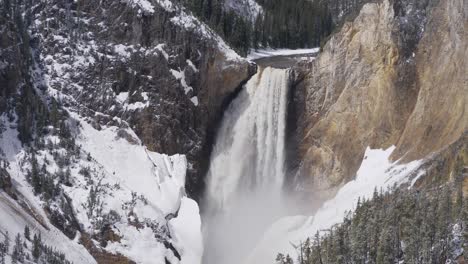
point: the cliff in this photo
(396, 75)
(116, 102)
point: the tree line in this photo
(29, 249)
(282, 24)
(396, 226)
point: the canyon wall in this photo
(396, 75)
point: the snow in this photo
(145, 96)
(264, 53)
(418, 176)
(376, 171)
(191, 23)
(160, 47)
(122, 97)
(187, 232)
(143, 5)
(122, 50)
(158, 177)
(14, 153)
(138, 184)
(180, 75)
(14, 217)
(194, 100)
(137, 244)
(166, 4)
(190, 63)
(136, 106)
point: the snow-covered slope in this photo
(375, 172)
(265, 53)
(117, 88)
(14, 219)
(113, 182)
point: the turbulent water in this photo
(244, 192)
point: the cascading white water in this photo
(244, 192)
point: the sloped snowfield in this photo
(376, 171)
(14, 218)
(143, 190)
(265, 53)
(146, 185)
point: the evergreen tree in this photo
(36, 248)
(7, 242)
(398, 226)
(34, 175)
(27, 232)
(2, 253)
(464, 221)
(18, 252)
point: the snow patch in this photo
(143, 5)
(14, 218)
(194, 100)
(187, 232)
(160, 47)
(190, 63)
(264, 53)
(122, 50)
(180, 75)
(123, 98)
(137, 244)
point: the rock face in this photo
(439, 117)
(153, 68)
(396, 75)
(121, 83)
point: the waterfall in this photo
(244, 191)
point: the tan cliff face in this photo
(372, 86)
(439, 117)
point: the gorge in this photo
(137, 131)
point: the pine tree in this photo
(18, 252)
(458, 206)
(67, 177)
(36, 248)
(280, 259)
(27, 232)
(35, 177)
(464, 219)
(2, 253)
(7, 242)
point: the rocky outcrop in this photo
(155, 69)
(396, 75)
